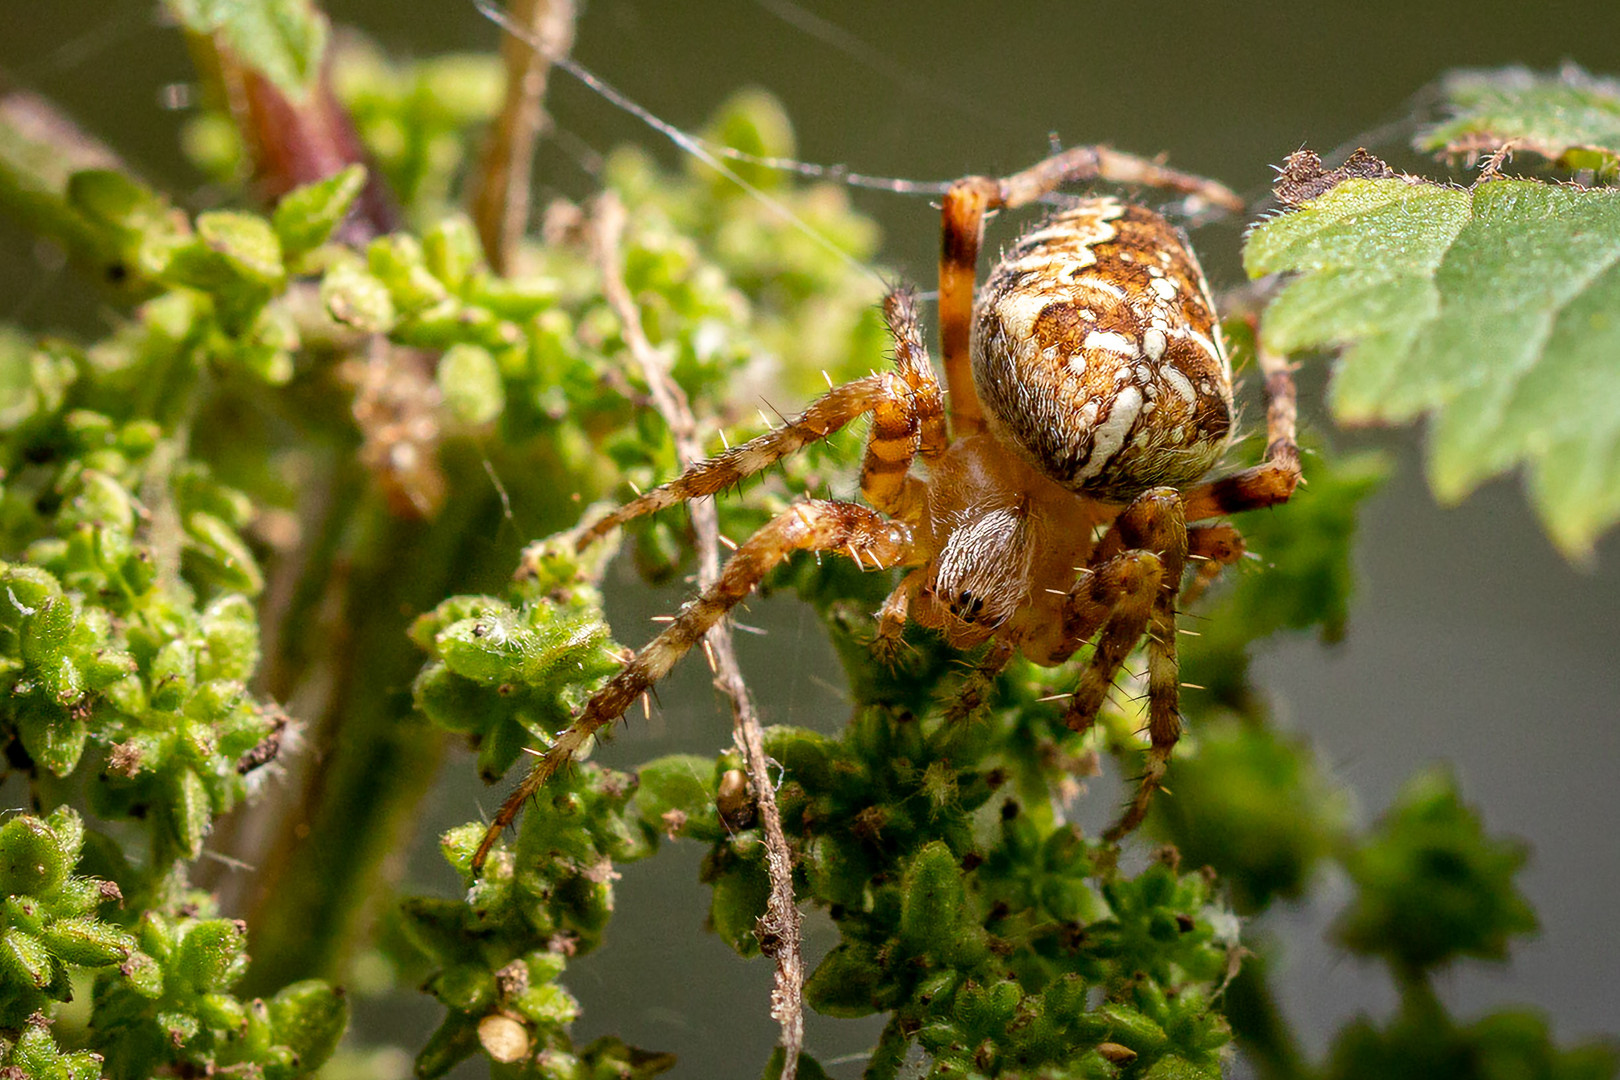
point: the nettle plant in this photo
(256, 576)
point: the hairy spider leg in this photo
(893, 615)
(907, 417)
(1131, 589)
(975, 688)
(873, 541)
(1212, 548)
(1274, 479)
(962, 234)
(1111, 604)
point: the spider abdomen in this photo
(1097, 356)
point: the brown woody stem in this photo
(499, 203)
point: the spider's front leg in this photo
(1131, 589)
(866, 536)
(908, 417)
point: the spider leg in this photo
(962, 213)
(908, 415)
(813, 525)
(977, 686)
(1112, 604)
(1213, 548)
(1129, 592)
(1274, 479)
(892, 617)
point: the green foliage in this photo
(1570, 118)
(1431, 886)
(1423, 1041)
(51, 921)
(1489, 308)
(1252, 803)
(281, 39)
(497, 955)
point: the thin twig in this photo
(778, 930)
(500, 190)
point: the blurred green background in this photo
(1470, 640)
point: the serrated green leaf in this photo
(1494, 309)
(281, 39)
(1570, 118)
(307, 215)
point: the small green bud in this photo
(172, 673)
(222, 1012)
(309, 1018)
(25, 960)
(45, 632)
(740, 893)
(193, 813)
(754, 122)
(452, 251)
(68, 828)
(306, 216)
(548, 1003)
(102, 501)
(33, 860)
(931, 902)
(227, 554)
(356, 298)
(1130, 1028)
(88, 942)
(681, 785)
(144, 975)
(210, 955)
(245, 243)
(466, 987)
(112, 199)
(470, 383)
(50, 733)
(27, 589)
(519, 299)
(497, 649)
(846, 981)
(398, 261)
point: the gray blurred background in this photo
(1470, 641)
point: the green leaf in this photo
(1494, 309)
(1570, 118)
(281, 39)
(307, 215)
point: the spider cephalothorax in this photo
(1090, 394)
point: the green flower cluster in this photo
(512, 674)
(126, 624)
(497, 955)
(162, 987)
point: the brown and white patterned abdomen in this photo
(1096, 353)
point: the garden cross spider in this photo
(1089, 391)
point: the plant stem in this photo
(778, 929)
(499, 203)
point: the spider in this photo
(1090, 393)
